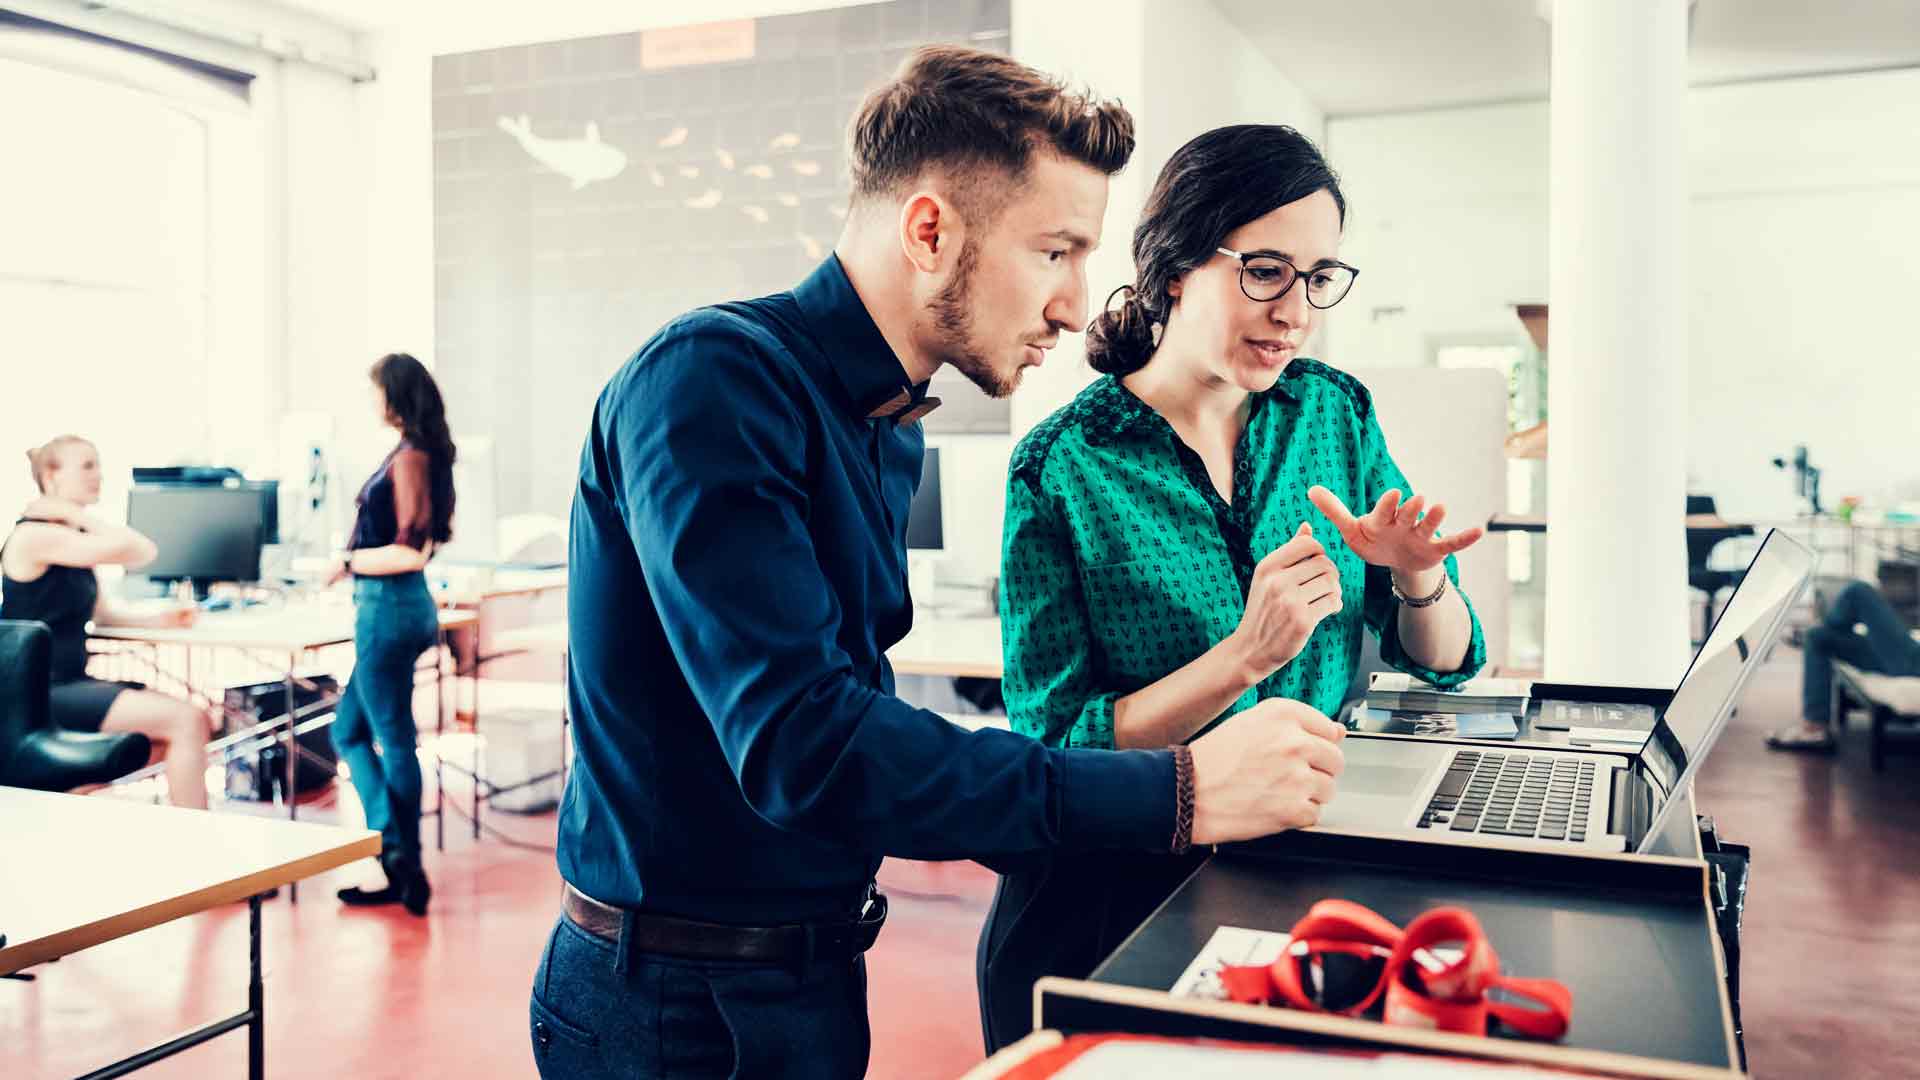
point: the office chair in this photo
(35, 754)
(1700, 545)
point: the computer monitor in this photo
(924, 525)
(208, 475)
(205, 534)
(267, 491)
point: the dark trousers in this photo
(394, 621)
(1886, 647)
(1063, 915)
(595, 1016)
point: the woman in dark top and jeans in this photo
(405, 510)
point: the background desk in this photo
(967, 646)
(86, 870)
(290, 633)
(1876, 540)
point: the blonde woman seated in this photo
(48, 562)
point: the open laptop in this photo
(1490, 796)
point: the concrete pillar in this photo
(1616, 554)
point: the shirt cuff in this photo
(1117, 800)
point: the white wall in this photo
(1197, 74)
(289, 236)
(1805, 197)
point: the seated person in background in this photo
(48, 562)
(1887, 647)
(1178, 545)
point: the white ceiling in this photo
(1376, 56)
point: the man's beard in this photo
(952, 315)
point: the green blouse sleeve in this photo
(1382, 611)
(1050, 680)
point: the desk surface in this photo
(292, 629)
(1537, 523)
(82, 870)
(501, 584)
(968, 646)
(1642, 964)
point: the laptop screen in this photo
(1693, 719)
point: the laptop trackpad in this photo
(1378, 780)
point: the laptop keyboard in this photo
(1511, 794)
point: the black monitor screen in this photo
(924, 530)
(203, 533)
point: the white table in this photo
(84, 870)
(963, 646)
(292, 632)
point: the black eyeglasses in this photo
(1268, 277)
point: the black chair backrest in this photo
(26, 671)
(1701, 542)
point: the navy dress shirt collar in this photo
(875, 382)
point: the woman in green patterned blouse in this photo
(1178, 546)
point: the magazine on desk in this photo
(1394, 691)
(1488, 725)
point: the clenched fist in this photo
(1293, 588)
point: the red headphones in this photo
(1422, 987)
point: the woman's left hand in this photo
(1394, 534)
(341, 567)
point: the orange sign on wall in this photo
(707, 43)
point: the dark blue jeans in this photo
(394, 621)
(1886, 647)
(593, 1017)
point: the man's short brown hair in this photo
(977, 116)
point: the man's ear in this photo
(929, 231)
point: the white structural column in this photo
(1616, 470)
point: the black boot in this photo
(409, 880)
(355, 896)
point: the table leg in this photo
(256, 999)
(475, 744)
(291, 752)
(440, 650)
(254, 1020)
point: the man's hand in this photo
(1293, 588)
(1263, 771)
(1394, 534)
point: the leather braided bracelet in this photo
(1182, 799)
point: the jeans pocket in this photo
(572, 968)
(560, 1047)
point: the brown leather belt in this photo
(796, 943)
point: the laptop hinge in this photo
(1626, 814)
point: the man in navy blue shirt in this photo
(738, 565)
